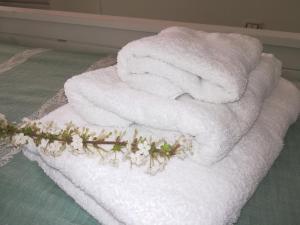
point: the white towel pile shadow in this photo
(218, 89)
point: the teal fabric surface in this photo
(277, 199)
(25, 87)
(29, 197)
(9, 50)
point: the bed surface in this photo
(28, 196)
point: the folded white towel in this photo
(212, 67)
(101, 98)
(186, 193)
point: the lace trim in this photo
(20, 58)
(7, 151)
(102, 63)
(59, 99)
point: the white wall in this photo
(275, 14)
(86, 6)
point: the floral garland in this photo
(109, 146)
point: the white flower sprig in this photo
(109, 146)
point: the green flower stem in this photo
(11, 130)
(139, 150)
(122, 143)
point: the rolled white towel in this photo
(185, 193)
(101, 98)
(213, 67)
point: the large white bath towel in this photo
(186, 193)
(212, 67)
(101, 98)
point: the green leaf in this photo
(117, 148)
(166, 148)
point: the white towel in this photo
(212, 67)
(101, 98)
(186, 193)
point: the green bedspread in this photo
(29, 197)
(9, 50)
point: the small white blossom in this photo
(41, 127)
(50, 127)
(19, 139)
(140, 157)
(44, 143)
(54, 131)
(54, 147)
(77, 142)
(144, 148)
(137, 159)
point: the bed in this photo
(27, 196)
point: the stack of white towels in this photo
(219, 89)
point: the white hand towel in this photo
(186, 193)
(212, 67)
(214, 126)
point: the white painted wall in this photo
(102, 33)
(275, 14)
(86, 6)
